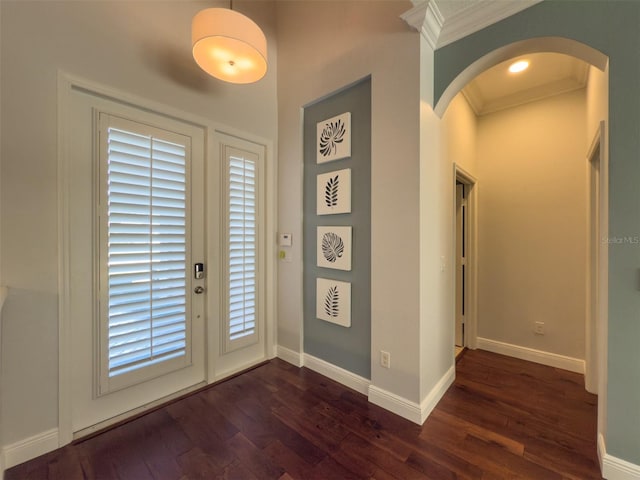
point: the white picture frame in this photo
(333, 301)
(333, 138)
(334, 247)
(333, 192)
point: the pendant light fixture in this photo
(229, 46)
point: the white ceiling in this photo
(548, 74)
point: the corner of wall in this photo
(28, 448)
(412, 411)
(614, 468)
(437, 392)
(289, 356)
(396, 404)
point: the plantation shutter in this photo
(146, 230)
(241, 250)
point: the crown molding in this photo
(426, 18)
(415, 16)
(439, 30)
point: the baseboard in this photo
(412, 411)
(431, 400)
(602, 450)
(289, 356)
(29, 448)
(340, 375)
(532, 355)
(396, 404)
(614, 468)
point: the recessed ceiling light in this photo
(519, 66)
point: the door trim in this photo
(596, 361)
(67, 84)
(471, 327)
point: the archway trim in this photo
(563, 45)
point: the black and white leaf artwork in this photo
(332, 246)
(332, 134)
(331, 191)
(332, 302)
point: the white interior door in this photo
(136, 229)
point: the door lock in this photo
(198, 271)
(198, 290)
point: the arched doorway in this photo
(596, 324)
(563, 45)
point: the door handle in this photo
(198, 290)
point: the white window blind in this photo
(147, 245)
(241, 244)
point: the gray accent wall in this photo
(612, 28)
(348, 348)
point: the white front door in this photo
(136, 230)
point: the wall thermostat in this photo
(284, 240)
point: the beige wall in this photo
(322, 50)
(597, 100)
(459, 125)
(141, 48)
(532, 224)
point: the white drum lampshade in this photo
(229, 46)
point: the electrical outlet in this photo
(385, 359)
(538, 329)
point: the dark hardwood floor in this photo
(502, 419)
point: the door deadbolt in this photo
(198, 271)
(198, 290)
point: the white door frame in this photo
(596, 319)
(471, 326)
(224, 364)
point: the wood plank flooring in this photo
(502, 419)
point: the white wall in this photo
(324, 46)
(436, 245)
(442, 142)
(142, 48)
(532, 224)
